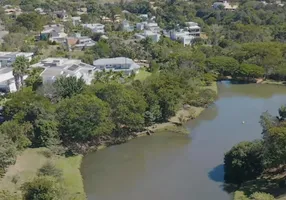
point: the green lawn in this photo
(28, 163)
(142, 75)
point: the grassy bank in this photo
(273, 82)
(28, 163)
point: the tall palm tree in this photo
(20, 67)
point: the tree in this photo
(222, 64)
(17, 133)
(82, 118)
(13, 41)
(66, 87)
(250, 71)
(34, 79)
(126, 104)
(243, 162)
(42, 188)
(275, 145)
(19, 103)
(31, 21)
(20, 67)
(7, 153)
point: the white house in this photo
(95, 28)
(150, 34)
(54, 33)
(55, 67)
(7, 82)
(119, 64)
(193, 29)
(183, 36)
(225, 5)
(76, 20)
(7, 58)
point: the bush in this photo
(243, 162)
(201, 98)
(49, 169)
(42, 188)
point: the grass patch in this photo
(142, 75)
(212, 87)
(72, 179)
(28, 163)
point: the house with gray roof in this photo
(118, 64)
(55, 67)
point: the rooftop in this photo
(113, 61)
(62, 66)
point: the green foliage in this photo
(41, 188)
(49, 169)
(83, 117)
(127, 106)
(31, 21)
(238, 195)
(223, 65)
(7, 153)
(66, 87)
(243, 162)
(34, 79)
(20, 67)
(250, 71)
(17, 133)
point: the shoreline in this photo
(25, 169)
(187, 113)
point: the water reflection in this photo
(217, 173)
(170, 166)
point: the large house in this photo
(225, 5)
(7, 82)
(54, 33)
(95, 28)
(79, 42)
(193, 28)
(119, 64)
(8, 58)
(148, 34)
(56, 67)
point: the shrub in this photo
(49, 169)
(243, 162)
(41, 188)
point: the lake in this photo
(168, 166)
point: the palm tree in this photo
(20, 67)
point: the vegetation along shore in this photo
(80, 75)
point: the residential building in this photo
(126, 26)
(7, 82)
(8, 58)
(95, 28)
(119, 64)
(56, 67)
(79, 42)
(12, 10)
(76, 20)
(183, 36)
(193, 28)
(150, 34)
(153, 26)
(53, 33)
(40, 11)
(225, 5)
(62, 14)
(82, 10)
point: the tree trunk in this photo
(17, 82)
(22, 81)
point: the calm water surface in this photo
(167, 166)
